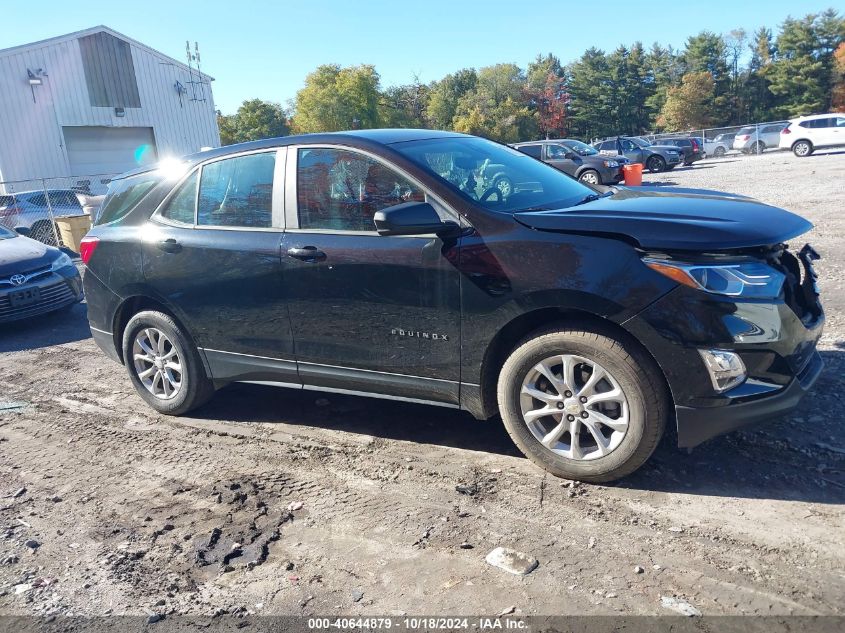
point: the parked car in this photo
(576, 159)
(588, 321)
(656, 158)
(34, 278)
(757, 139)
(805, 134)
(692, 148)
(720, 145)
(31, 210)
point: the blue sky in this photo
(265, 49)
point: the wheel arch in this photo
(522, 326)
(132, 305)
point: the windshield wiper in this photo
(590, 198)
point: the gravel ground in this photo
(284, 502)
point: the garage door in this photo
(93, 151)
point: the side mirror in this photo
(22, 230)
(412, 218)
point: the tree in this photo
(662, 70)
(551, 103)
(837, 101)
(758, 97)
(735, 43)
(690, 105)
(589, 104)
(800, 75)
(405, 106)
(497, 108)
(444, 95)
(255, 119)
(706, 52)
(336, 98)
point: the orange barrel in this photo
(633, 174)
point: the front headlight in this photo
(61, 261)
(611, 163)
(752, 280)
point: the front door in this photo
(630, 150)
(556, 155)
(368, 313)
(212, 254)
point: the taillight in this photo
(786, 130)
(694, 146)
(744, 137)
(87, 247)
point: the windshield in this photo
(581, 148)
(494, 176)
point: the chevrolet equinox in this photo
(384, 263)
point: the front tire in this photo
(590, 177)
(164, 365)
(583, 404)
(656, 164)
(802, 149)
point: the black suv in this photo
(655, 157)
(378, 263)
(692, 148)
(576, 159)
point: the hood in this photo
(680, 219)
(21, 254)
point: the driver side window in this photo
(341, 190)
(627, 146)
(556, 151)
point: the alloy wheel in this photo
(802, 149)
(505, 186)
(590, 177)
(157, 363)
(574, 407)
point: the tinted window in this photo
(531, 150)
(63, 199)
(341, 190)
(746, 130)
(180, 208)
(580, 148)
(238, 191)
(772, 128)
(840, 121)
(122, 197)
(556, 151)
(607, 146)
(627, 145)
(477, 169)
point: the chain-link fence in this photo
(738, 140)
(32, 207)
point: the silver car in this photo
(756, 139)
(31, 210)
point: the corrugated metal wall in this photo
(31, 140)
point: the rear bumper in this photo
(696, 425)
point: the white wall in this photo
(31, 141)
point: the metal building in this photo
(94, 103)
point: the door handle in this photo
(307, 254)
(169, 245)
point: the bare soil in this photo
(285, 502)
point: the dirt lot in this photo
(286, 502)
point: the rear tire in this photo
(802, 149)
(154, 346)
(719, 152)
(758, 148)
(639, 414)
(656, 164)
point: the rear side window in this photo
(180, 207)
(122, 197)
(531, 150)
(840, 121)
(238, 192)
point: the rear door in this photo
(369, 313)
(212, 253)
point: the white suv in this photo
(807, 133)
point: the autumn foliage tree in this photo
(837, 101)
(689, 106)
